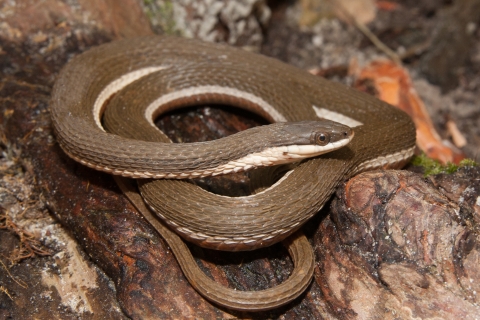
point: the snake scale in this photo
(141, 78)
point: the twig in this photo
(29, 246)
(369, 34)
(4, 290)
(458, 138)
(23, 285)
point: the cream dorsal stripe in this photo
(336, 116)
(154, 107)
(118, 85)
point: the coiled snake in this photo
(145, 77)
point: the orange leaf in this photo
(394, 86)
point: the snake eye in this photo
(322, 138)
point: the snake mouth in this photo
(307, 151)
(280, 155)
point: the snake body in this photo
(161, 74)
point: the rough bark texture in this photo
(395, 246)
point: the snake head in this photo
(305, 139)
(330, 132)
(318, 133)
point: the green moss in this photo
(161, 16)
(433, 167)
(468, 163)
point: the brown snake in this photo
(152, 75)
